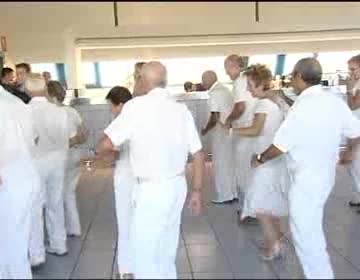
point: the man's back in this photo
(221, 100)
(241, 94)
(50, 126)
(17, 137)
(318, 120)
(161, 133)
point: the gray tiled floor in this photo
(212, 246)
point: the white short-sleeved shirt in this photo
(17, 138)
(51, 125)
(220, 100)
(313, 129)
(241, 94)
(74, 119)
(274, 118)
(160, 133)
(7, 95)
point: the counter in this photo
(97, 116)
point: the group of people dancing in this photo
(274, 156)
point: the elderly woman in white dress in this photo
(266, 197)
(124, 182)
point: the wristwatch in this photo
(258, 158)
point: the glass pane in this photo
(268, 59)
(42, 67)
(88, 73)
(291, 59)
(333, 61)
(116, 73)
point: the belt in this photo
(141, 180)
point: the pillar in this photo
(73, 63)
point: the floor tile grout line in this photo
(226, 255)
(334, 247)
(87, 232)
(269, 264)
(220, 243)
(187, 252)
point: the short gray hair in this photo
(310, 70)
(241, 61)
(355, 59)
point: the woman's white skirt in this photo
(267, 191)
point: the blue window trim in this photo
(280, 63)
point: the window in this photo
(291, 59)
(268, 59)
(115, 73)
(333, 61)
(88, 73)
(42, 67)
(181, 70)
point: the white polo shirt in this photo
(51, 125)
(74, 118)
(312, 131)
(17, 138)
(160, 132)
(241, 94)
(220, 100)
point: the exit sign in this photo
(3, 43)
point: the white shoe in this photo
(59, 253)
(36, 262)
(218, 201)
(278, 252)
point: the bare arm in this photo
(197, 182)
(253, 130)
(238, 110)
(353, 101)
(80, 138)
(211, 122)
(105, 147)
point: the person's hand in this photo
(195, 203)
(203, 131)
(345, 157)
(254, 162)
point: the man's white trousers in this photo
(51, 170)
(20, 183)
(155, 227)
(308, 194)
(223, 163)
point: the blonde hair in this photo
(35, 83)
(260, 74)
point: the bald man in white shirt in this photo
(52, 128)
(310, 137)
(160, 133)
(19, 181)
(220, 104)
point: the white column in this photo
(73, 62)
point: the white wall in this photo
(35, 30)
